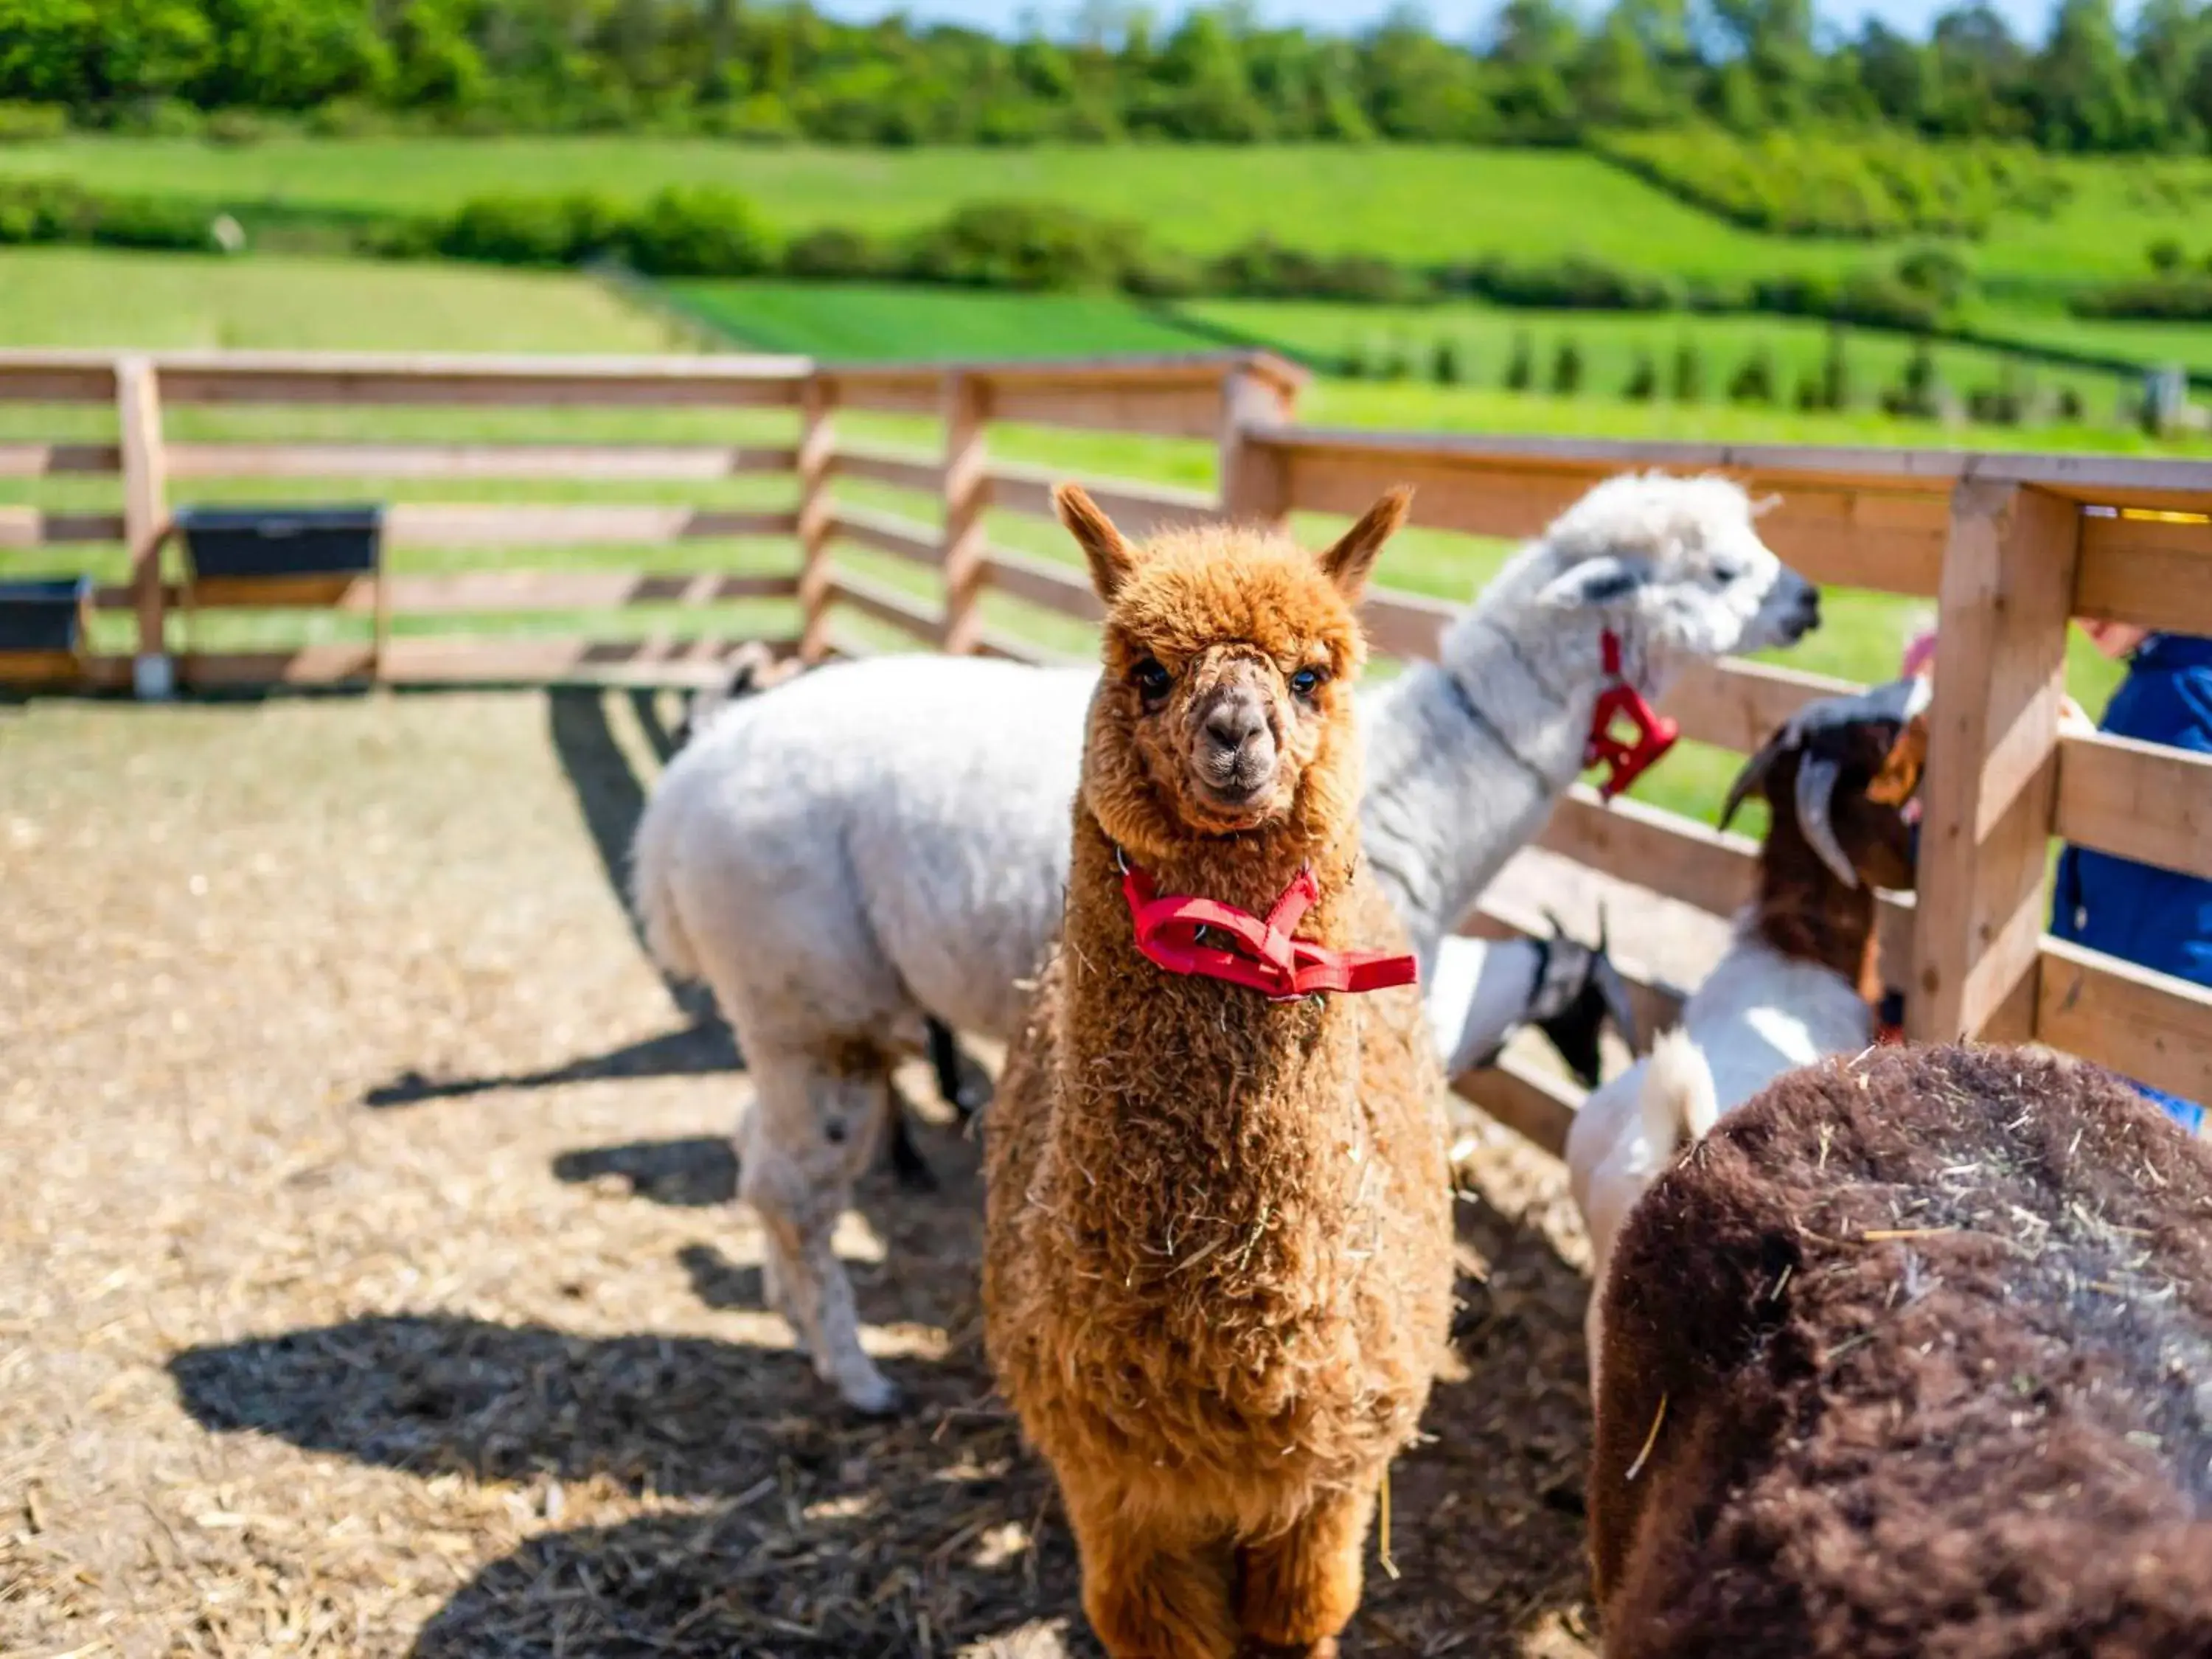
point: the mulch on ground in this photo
(369, 1282)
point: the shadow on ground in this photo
(803, 1530)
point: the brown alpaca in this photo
(1217, 1265)
(1907, 1361)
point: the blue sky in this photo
(1455, 17)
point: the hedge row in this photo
(1041, 246)
(54, 211)
(1823, 185)
(706, 231)
(2180, 297)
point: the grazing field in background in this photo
(52, 297)
(1408, 203)
(883, 321)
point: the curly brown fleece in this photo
(1218, 1258)
(1920, 1346)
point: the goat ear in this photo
(1107, 550)
(1349, 561)
(1899, 781)
(1592, 583)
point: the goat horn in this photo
(1753, 775)
(1816, 787)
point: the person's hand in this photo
(2114, 639)
(2074, 719)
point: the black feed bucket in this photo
(44, 614)
(252, 542)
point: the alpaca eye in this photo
(1151, 679)
(1306, 681)
(1727, 570)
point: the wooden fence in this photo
(2008, 547)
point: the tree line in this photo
(1104, 71)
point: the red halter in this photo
(1654, 733)
(1171, 932)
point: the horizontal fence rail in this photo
(2007, 546)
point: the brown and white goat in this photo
(1800, 979)
(1912, 1360)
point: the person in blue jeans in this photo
(2158, 919)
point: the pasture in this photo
(1411, 203)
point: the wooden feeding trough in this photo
(44, 622)
(281, 557)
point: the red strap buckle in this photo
(1624, 760)
(1178, 932)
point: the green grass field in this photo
(881, 321)
(1407, 203)
(56, 298)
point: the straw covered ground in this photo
(368, 1283)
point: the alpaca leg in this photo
(806, 1134)
(1149, 1595)
(1299, 1590)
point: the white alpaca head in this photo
(1673, 565)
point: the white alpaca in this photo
(887, 839)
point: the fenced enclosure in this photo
(774, 540)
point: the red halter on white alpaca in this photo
(1654, 733)
(1171, 929)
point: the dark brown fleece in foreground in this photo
(1933, 1334)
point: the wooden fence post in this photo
(817, 447)
(1253, 486)
(965, 546)
(145, 520)
(2006, 594)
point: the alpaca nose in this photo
(1236, 728)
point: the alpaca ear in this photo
(1592, 583)
(1111, 557)
(1349, 563)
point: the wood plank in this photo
(1140, 510)
(1861, 538)
(817, 459)
(31, 526)
(2153, 571)
(886, 532)
(25, 671)
(1174, 412)
(652, 462)
(1533, 1105)
(1405, 624)
(2148, 1026)
(1010, 647)
(1992, 760)
(964, 490)
(1038, 582)
(1738, 705)
(434, 380)
(1254, 483)
(1662, 851)
(2136, 800)
(907, 471)
(887, 605)
(474, 524)
(57, 377)
(145, 506)
(473, 590)
(40, 460)
(456, 659)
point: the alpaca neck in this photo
(1467, 754)
(1804, 913)
(1183, 1096)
